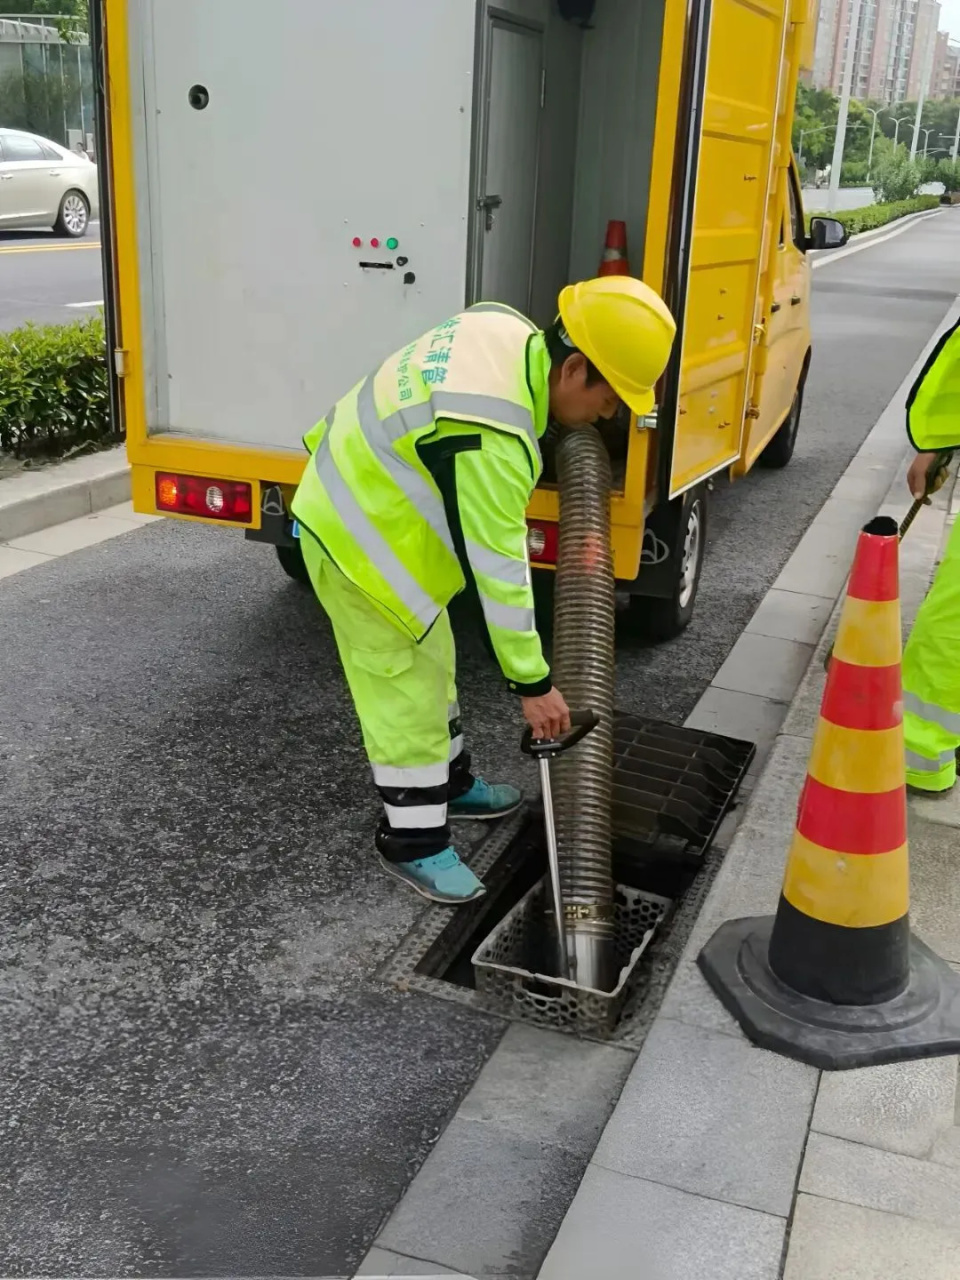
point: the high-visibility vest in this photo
(374, 491)
(933, 405)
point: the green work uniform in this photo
(931, 660)
(418, 477)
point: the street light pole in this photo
(896, 129)
(837, 163)
(956, 140)
(925, 81)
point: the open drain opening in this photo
(672, 788)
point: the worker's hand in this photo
(919, 479)
(548, 716)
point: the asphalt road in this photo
(199, 1075)
(49, 279)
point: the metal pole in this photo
(873, 133)
(956, 140)
(837, 163)
(926, 73)
(553, 858)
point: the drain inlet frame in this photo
(403, 969)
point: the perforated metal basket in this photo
(553, 1002)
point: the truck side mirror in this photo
(826, 233)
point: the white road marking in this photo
(868, 244)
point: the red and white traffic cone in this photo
(615, 262)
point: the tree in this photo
(896, 177)
(74, 15)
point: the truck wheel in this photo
(292, 564)
(73, 217)
(665, 618)
(780, 449)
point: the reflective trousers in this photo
(405, 697)
(931, 680)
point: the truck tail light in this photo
(202, 496)
(543, 537)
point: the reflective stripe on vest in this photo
(370, 498)
(368, 536)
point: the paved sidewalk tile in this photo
(791, 615)
(74, 535)
(690, 1000)
(764, 666)
(833, 1241)
(821, 562)
(837, 1170)
(903, 1107)
(485, 1201)
(14, 561)
(739, 715)
(934, 883)
(714, 1116)
(941, 810)
(542, 1085)
(621, 1228)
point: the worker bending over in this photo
(420, 476)
(931, 661)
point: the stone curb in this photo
(34, 500)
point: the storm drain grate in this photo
(672, 786)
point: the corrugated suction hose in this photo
(583, 666)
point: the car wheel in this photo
(74, 216)
(780, 449)
(658, 618)
(292, 564)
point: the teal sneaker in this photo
(485, 801)
(441, 878)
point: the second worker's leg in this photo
(931, 681)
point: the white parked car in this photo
(44, 185)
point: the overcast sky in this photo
(950, 17)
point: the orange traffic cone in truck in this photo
(615, 262)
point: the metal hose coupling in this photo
(583, 665)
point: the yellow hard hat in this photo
(625, 329)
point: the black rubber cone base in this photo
(921, 1022)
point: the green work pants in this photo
(931, 680)
(405, 697)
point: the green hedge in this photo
(877, 215)
(54, 392)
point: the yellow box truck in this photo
(296, 190)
